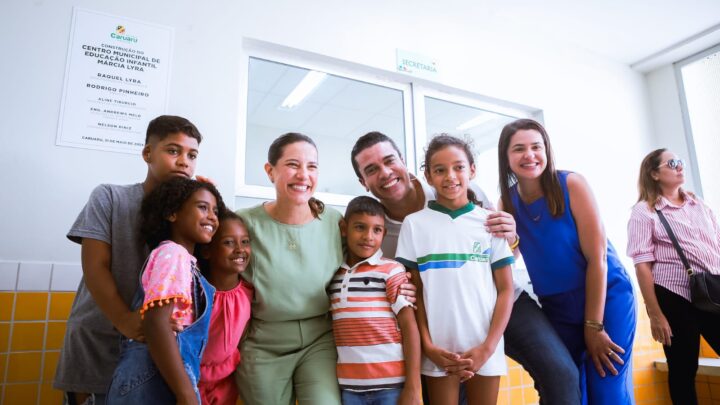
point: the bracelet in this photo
(516, 243)
(598, 326)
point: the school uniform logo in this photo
(453, 260)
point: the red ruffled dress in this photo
(230, 316)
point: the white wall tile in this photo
(34, 276)
(8, 275)
(65, 277)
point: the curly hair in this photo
(165, 200)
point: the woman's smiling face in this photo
(526, 154)
(295, 174)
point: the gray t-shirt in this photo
(91, 348)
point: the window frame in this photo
(414, 91)
(461, 97)
(687, 125)
(310, 61)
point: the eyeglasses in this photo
(673, 164)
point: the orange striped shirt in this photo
(364, 301)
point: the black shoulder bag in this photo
(704, 287)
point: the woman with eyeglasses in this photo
(583, 287)
(664, 284)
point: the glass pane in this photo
(481, 126)
(701, 81)
(334, 114)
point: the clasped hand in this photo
(463, 365)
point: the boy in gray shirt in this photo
(112, 258)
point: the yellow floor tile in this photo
(641, 377)
(516, 397)
(4, 336)
(503, 397)
(20, 394)
(530, 395)
(6, 305)
(715, 391)
(31, 306)
(49, 395)
(51, 360)
(3, 362)
(705, 401)
(514, 377)
(24, 367)
(55, 335)
(525, 378)
(645, 393)
(60, 304)
(702, 389)
(27, 336)
(662, 391)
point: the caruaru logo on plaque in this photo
(116, 80)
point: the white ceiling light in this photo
(477, 121)
(306, 86)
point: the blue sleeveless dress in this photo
(557, 268)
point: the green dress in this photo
(289, 352)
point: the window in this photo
(699, 78)
(468, 117)
(339, 102)
(333, 110)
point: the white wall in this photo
(596, 110)
(667, 119)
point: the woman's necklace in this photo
(292, 244)
(535, 217)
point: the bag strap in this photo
(675, 243)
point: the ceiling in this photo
(626, 31)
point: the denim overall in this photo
(137, 380)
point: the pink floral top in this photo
(230, 315)
(167, 280)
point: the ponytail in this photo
(316, 206)
(473, 198)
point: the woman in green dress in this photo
(289, 353)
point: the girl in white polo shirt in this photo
(464, 280)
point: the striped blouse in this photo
(696, 229)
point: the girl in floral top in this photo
(174, 218)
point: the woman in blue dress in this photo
(582, 286)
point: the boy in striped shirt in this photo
(375, 331)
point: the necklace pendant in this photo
(292, 245)
(536, 218)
